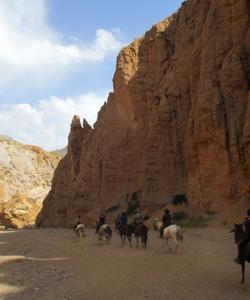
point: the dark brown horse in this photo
(125, 231)
(141, 231)
(239, 235)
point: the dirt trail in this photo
(48, 264)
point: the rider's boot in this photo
(161, 233)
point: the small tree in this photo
(179, 199)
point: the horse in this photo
(125, 231)
(239, 234)
(172, 232)
(141, 231)
(79, 231)
(105, 231)
(157, 225)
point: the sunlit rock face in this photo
(25, 179)
(178, 121)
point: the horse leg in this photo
(107, 238)
(122, 240)
(166, 241)
(129, 240)
(243, 272)
(176, 245)
(77, 235)
(137, 241)
(100, 239)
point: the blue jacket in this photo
(123, 220)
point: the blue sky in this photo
(57, 58)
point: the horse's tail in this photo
(145, 234)
(109, 230)
(179, 235)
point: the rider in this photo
(138, 218)
(102, 221)
(123, 220)
(166, 221)
(78, 222)
(245, 240)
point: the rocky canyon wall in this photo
(177, 122)
(25, 179)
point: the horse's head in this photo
(238, 231)
(155, 222)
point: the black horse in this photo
(125, 231)
(239, 235)
(141, 231)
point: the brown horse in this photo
(239, 234)
(141, 231)
(125, 231)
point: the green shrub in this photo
(179, 199)
(112, 208)
(179, 216)
(133, 204)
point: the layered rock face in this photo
(178, 121)
(25, 179)
(19, 211)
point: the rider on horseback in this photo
(122, 220)
(166, 221)
(245, 240)
(102, 221)
(78, 222)
(138, 218)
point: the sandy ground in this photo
(49, 264)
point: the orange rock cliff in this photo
(177, 122)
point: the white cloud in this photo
(47, 124)
(29, 48)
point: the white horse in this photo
(157, 224)
(172, 232)
(105, 231)
(79, 231)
